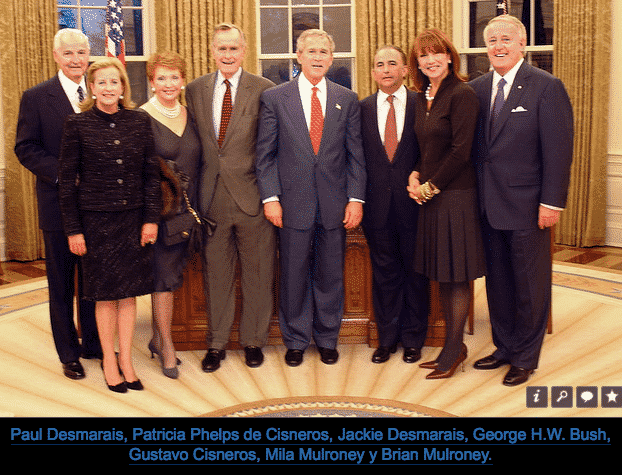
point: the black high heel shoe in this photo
(118, 388)
(135, 385)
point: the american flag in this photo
(502, 7)
(115, 43)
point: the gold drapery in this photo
(186, 26)
(27, 30)
(395, 22)
(582, 35)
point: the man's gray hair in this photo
(68, 36)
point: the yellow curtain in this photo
(395, 22)
(186, 26)
(27, 29)
(582, 33)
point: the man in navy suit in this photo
(400, 295)
(311, 176)
(42, 113)
(523, 152)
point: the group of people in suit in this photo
(442, 193)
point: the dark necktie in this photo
(80, 93)
(497, 104)
(390, 131)
(225, 114)
(317, 121)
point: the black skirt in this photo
(115, 265)
(449, 238)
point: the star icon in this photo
(611, 396)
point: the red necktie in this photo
(317, 121)
(225, 114)
(390, 131)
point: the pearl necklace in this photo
(170, 112)
(427, 93)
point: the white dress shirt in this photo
(383, 106)
(219, 94)
(305, 89)
(71, 89)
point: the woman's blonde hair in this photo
(104, 63)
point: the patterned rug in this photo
(327, 407)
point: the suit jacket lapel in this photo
(60, 101)
(241, 98)
(519, 86)
(296, 114)
(409, 123)
(333, 113)
(208, 109)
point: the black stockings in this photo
(454, 298)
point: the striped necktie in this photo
(317, 121)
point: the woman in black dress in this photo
(110, 200)
(449, 242)
(175, 140)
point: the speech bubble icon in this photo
(587, 396)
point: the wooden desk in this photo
(190, 318)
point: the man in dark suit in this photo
(400, 295)
(42, 113)
(225, 108)
(523, 148)
(311, 175)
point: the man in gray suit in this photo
(225, 107)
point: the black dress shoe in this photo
(490, 362)
(254, 356)
(411, 355)
(294, 357)
(383, 353)
(212, 359)
(516, 376)
(74, 370)
(328, 355)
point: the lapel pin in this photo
(338, 106)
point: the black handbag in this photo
(187, 226)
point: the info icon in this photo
(611, 396)
(561, 396)
(537, 396)
(587, 396)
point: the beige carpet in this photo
(584, 350)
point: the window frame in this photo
(461, 34)
(148, 20)
(291, 55)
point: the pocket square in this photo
(519, 109)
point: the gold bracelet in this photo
(428, 190)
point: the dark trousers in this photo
(311, 286)
(518, 285)
(61, 266)
(400, 295)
